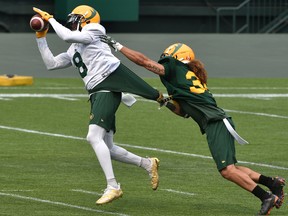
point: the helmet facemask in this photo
(74, 22)
(81, 16)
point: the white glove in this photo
(111, 42)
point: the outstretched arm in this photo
(142, 60)
(135, 56)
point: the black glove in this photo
(111, 42)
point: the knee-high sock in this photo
(120, 154)
(95, 137)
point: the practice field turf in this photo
(47, 167)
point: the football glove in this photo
(111, 42)
(42, 33)
(162, 100)
(175, 108)
(45, 16)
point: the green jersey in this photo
(193, 96)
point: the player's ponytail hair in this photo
(197, 67)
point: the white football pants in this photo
(105, 150)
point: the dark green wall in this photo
(112, 10)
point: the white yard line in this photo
(59, 204)
(41, 133)
(251, 95)
(179, 192)
(138, 147)
(250, 88)
(201, 156)
(7, 96)
(258, 114)
(16, 190)
(55, 96)
(86, 192)
(37, 88)
(167, 190)
(69, 88)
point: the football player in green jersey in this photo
(185, 79)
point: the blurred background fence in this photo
(234, 38)
(160, 16)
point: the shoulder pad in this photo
(94, 27)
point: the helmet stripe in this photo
(177, 47)
(93, 13)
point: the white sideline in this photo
(60, 204)
(139, 147)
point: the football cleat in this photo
(268, 204)
(153, 173)
(277, 189)
(110, 194)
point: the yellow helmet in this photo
(179, 51)
(81, 16)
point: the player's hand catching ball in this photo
(42, 33)
(39, 25)
(45, 16)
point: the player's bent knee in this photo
(227, 172)
(224, 173)
(95, 134)
(89, 138)
(93, 138)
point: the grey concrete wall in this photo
(225, 55)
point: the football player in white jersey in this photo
(105, 78)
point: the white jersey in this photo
(92, 57)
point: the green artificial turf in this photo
(48, 168)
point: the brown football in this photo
(38, 24)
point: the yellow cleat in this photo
(153, 173)
(110, 194)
